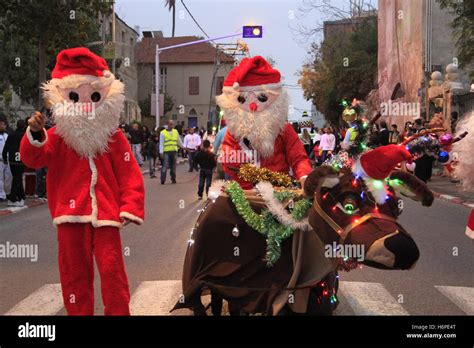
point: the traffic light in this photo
(252, 31)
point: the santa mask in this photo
(254, 103)
(86, 100)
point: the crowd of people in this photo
(321, 143)
(162, 148)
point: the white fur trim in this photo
(85, 219)
(131, 217)
(277, 209)
(469, 232)
(378, 193)
(34, 142)
(75, 80)
(236, 86)
(216, 189)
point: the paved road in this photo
(442, 282)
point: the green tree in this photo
(343, 66)
(463, 30)
(33, 32)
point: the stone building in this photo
(189, 75)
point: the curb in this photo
(13, 210)
(35, 203)
(453, 199)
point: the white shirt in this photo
(328, 142)
(192, 141)
(3, 140)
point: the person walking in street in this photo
(207, 162)
(5, 174)
(136, 140)
(152, 153)
(383, 135)
(192, 142)
(146, 136)
(169, 143)
(394, 137)
(424, 164)
(327, 144)
(11, 154)
(306, 140)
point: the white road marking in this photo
(462, 297)
(370, 299)
(156, 298)
(46, 300)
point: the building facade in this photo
(119, 50)
(417, 66)
(191, 76)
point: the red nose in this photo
(253, 106)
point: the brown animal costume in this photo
(302, 275)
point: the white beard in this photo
(86, 135)
(261, 128)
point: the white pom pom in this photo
(411, 166)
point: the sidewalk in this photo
(34, 202)
(444, 189)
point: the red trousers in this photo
(78, 244)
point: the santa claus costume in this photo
(94, 183)
(464, 168)
(255, 108)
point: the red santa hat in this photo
(253, 74)
(377, 164)
(76, 66)
(470, 225)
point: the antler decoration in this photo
(421, 133)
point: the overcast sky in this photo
(223, 17)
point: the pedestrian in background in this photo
(424, 164)
(306, 140)
(327, 144)
(152, 153)
(136, 140)
(146, 136)
(207, 162)
(169, 144)
(5, 174)
(11, 154)
(192, 142)
(394, 135)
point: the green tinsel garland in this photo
(265, 223)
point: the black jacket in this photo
(11, 150)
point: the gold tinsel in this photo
(252, 174)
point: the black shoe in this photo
(173, 181)
(190, 171)
(162, 182)
(199, 197)
(152, 176)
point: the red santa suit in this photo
(255, 108)
(289, 153)
(88, 197)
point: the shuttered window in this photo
(194, 85)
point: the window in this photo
(219, 84)
(194, 85)
(163, 80)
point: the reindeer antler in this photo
(421, 133)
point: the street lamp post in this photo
(247, 32)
